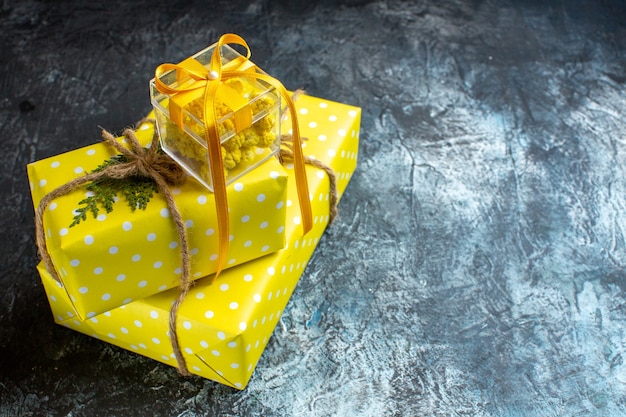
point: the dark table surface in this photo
(477, 267)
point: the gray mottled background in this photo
(477, 268)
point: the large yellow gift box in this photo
(126, 255)
(224, 324)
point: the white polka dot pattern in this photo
(225, 325)
(136, 244)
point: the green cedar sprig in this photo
(136, 190)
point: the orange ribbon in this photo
(198, 81)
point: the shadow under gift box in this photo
(223, 326)
(121, 256)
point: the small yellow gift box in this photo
(247, 111)
(218, 116)
(125, 255)
(223, 325)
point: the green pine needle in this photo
(136, 190)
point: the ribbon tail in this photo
(214, 154)
(299, 167)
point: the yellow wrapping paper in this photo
(123, 255)
(223, 326)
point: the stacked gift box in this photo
(118, 273)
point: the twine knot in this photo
(146, 162)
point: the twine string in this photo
(165, 172)
(141, 162)
(286, 152)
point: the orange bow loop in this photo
(194, 81)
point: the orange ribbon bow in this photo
(208, 82)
